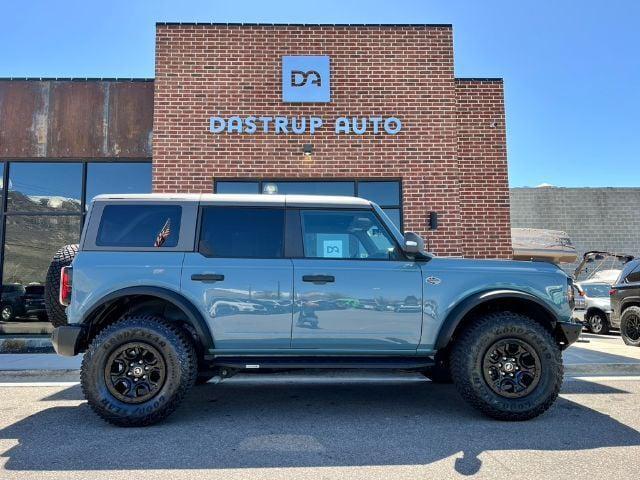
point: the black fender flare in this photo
(472, 301)
(193, 315)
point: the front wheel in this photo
(508, 366)
(6, 313)
(630, 326)
(137, 370)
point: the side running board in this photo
(256, 363)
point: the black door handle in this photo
(207, 277)
(318, 278)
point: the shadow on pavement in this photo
(282, 424)
(577, 355)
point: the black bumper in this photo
(66, 339)
(568, 332)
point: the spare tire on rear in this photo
(56, 311)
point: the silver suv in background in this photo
(593, 306)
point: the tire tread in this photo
(463, 348)
(187, 360)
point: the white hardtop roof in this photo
(241, 198)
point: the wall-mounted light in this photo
(270, 189)
(433, 220)
(307, 149)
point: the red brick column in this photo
(482, 156)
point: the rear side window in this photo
(242, 232)
(139, 226)
(634, 277)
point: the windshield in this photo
(599, 290)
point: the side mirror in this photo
(413, 243)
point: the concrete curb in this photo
(19, 344)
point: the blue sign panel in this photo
(306, 79)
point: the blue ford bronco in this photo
(165, 292)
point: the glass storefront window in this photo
(117, 178)
(43, 214)
(238, 187)
(386, 193)
(382, 193)
(44, 187)
(30, 243)
(310, 188)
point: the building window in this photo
(386, 193)
(118, 178)
(45, 187)
(42, 209)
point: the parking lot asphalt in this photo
(322, 425)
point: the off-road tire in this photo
(466, 362)
(440, 372)
(55, 311)
(177, 352)
(604, 325)
(627, 315)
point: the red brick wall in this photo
(226, 70)
(482, 159)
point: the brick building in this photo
(450, 154)
(367, 110)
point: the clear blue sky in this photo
(571, 69)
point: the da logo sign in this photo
(306, 79)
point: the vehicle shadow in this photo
(256, 423)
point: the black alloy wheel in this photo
(135, 372)
(632, 329)
(511, 368)
(630, 326)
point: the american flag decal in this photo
(164, 234)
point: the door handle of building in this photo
(319, 278)
(207, 277)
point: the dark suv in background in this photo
(625, 303)
(22, 301)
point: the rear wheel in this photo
(508, 366)
(55, 311)
(137, 371)
(598, 323)
(630, 326)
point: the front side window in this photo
(139, 226)
(242, 232)
(346, 234)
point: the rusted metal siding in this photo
(130, 118)
(75, 119)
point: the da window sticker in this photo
(332, 246)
